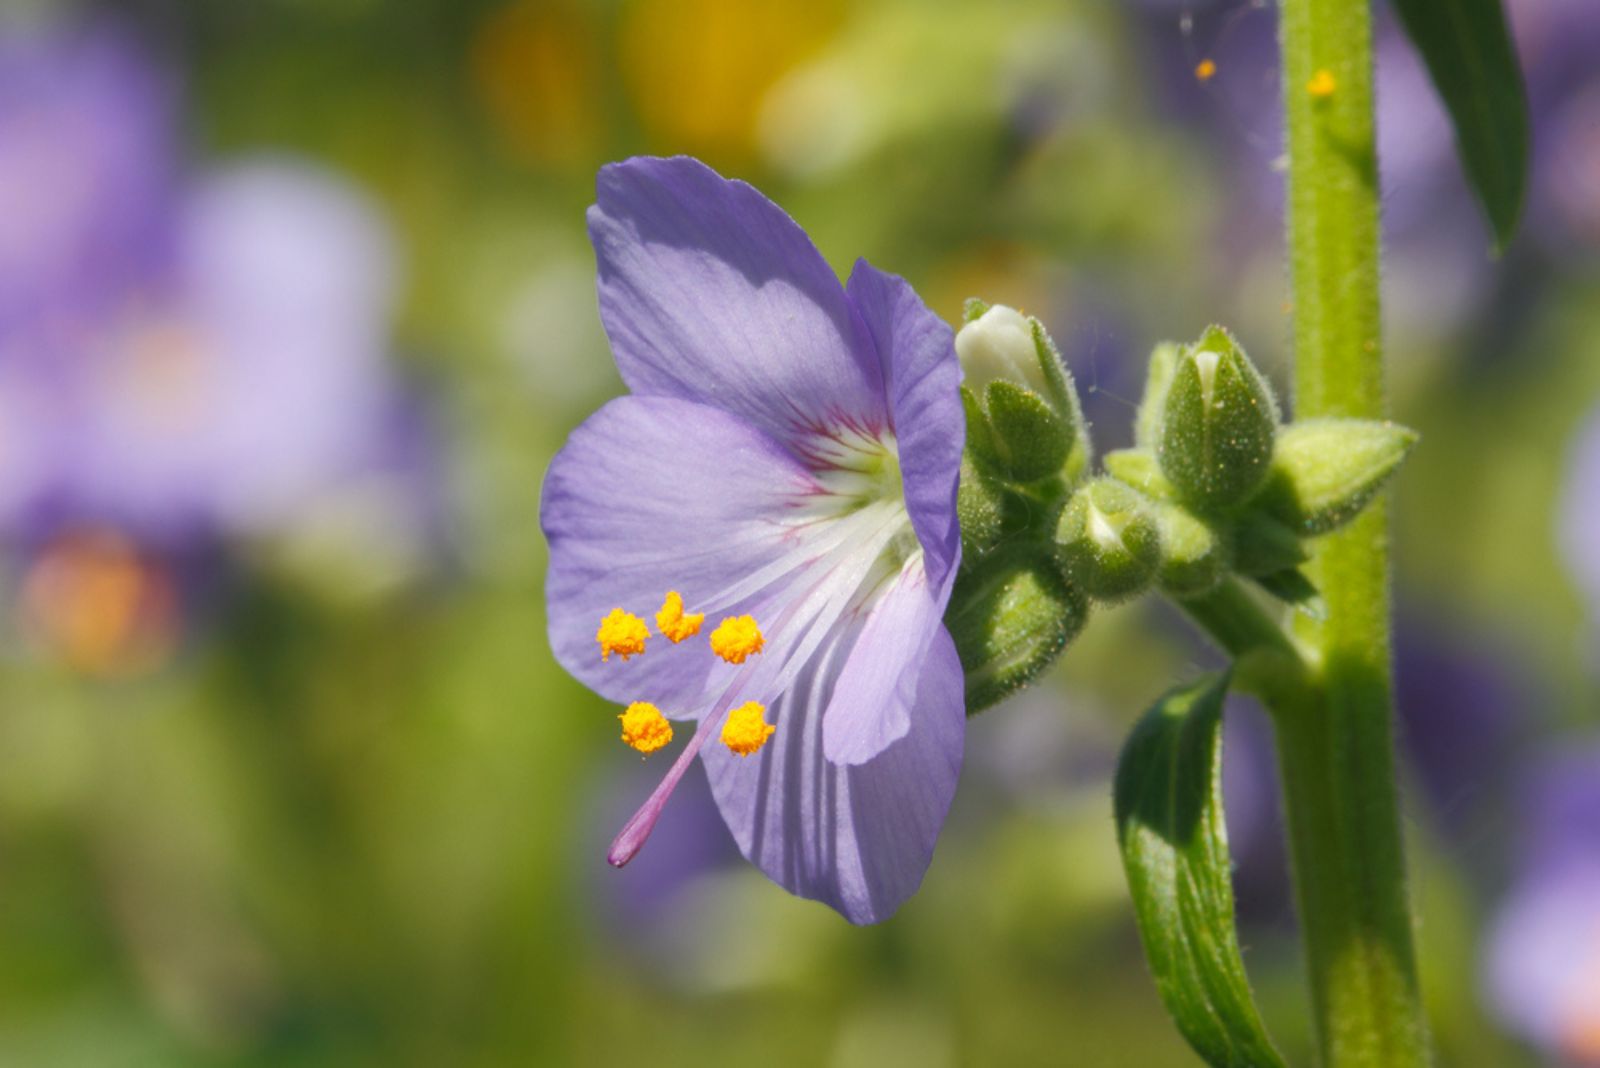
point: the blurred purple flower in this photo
(257, 380)
(182, 363)
(85, 176)
(1463, 708)
(790, 452)
(1543, 963)
(1580, 513)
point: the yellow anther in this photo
(1322, 84)
(1205, 70)
(746, 732)
(621, 632)
(644, 727)
(675, 625)
(736, 638)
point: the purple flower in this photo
(85, 174)
(1543, 966)
(789, 454)
(1580, 512)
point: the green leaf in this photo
(1175, 850)
(1469, 54)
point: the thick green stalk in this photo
(1337, 751)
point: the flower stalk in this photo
(1335, 742)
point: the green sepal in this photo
(1168, 804)
(1064, 398)
(1218, 422)
(1262, 545)
(973, 309)
(1011, 615)
(980, 442)
(1030, 439)
(1324, 471)
(1292, 587)
(1158, 379)
(1139, 469)
(1194, 558)
(1107, 541)
(980, 510)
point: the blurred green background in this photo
(264, 800)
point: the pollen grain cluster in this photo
(746, 732)
(674, 624)
(736, 638)
(644, 727)
(623, 633)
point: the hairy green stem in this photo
(1336, 751)
(1268, 662)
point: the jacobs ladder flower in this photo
(786, 469)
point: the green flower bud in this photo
(1138, 468)
(1264, 546)
(1193, 558)
(1107, 543)
(1324, 471)
(1218, 423)
(1035, 428)
(1011, 615)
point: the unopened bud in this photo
(1218, 423)
(1107, 542)
(1193, 558)
(1011, 615)
(1032, 427)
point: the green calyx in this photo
(1325, 471)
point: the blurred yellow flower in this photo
(534, 68)
(698, 70)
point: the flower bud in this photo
(1024, 421)
(1107, 542)
(1193, 557)
(1218, 423)
(1011, 615)
(1324, 471)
